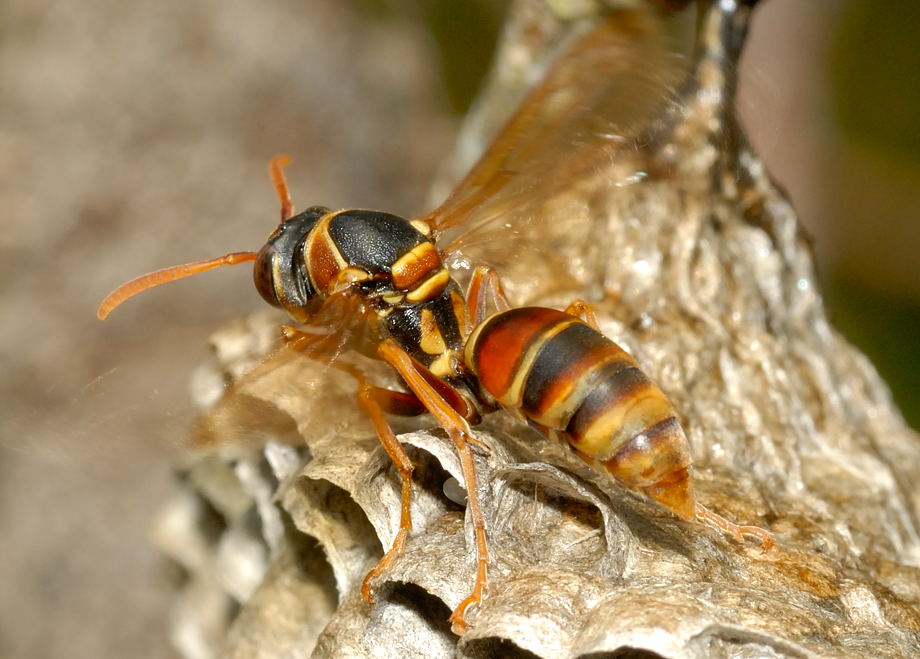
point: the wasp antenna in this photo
(131, 288)
(276, 170)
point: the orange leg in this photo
(706, 516)
(457, 428)
(374, 402)
(369, 401)
(484, 284)
(320, 347)
(583, 310)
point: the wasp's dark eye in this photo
(280, 272)
(263, 275)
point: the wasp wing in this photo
(600, 104)
(296, 391)
(342, 323)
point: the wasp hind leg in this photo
(485, 285)
(706, 516)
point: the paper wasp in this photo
(379, 285)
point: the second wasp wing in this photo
(580, 135)
(296, 391)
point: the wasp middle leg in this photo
(421, 381)
(375, 402)
(584, 311)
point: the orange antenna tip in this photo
(276, 171)
(280, 160)
(137, 285)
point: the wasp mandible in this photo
(378, 285)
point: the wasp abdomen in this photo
(574, 382)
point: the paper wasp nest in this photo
(702, 274)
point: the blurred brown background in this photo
(135, 135)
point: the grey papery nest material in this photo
(704, 276)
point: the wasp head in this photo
(280, 273)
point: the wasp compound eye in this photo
(280, 274)
(263, 277)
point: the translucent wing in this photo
(532, 189)
(297, 391)
(342, 323)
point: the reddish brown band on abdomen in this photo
(566, 377)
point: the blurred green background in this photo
(873, 278)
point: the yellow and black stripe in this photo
(392, 260)
(571, 381)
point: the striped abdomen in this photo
(570, 380)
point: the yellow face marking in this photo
(430, 287)
(432, 342)
(276, 281)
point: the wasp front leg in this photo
(430, 391)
